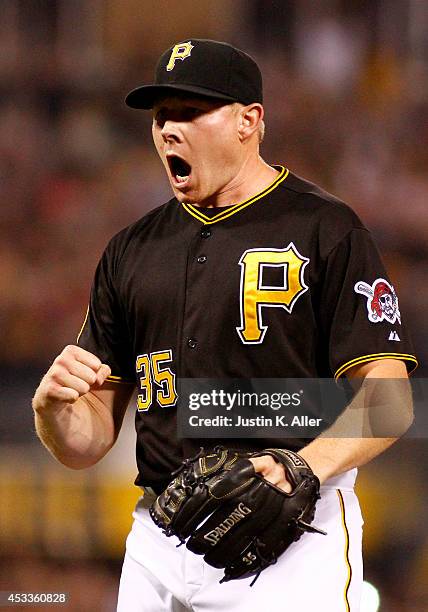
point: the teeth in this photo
(181, 179)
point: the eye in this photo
(159, 117)
(192, 112)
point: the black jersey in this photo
(287, 284)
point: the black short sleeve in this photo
(104, 331)
(361, 314)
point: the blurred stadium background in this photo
(346, 86)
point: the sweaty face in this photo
(197, 141)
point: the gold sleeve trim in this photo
(119, 379)
(366, 358)
(348, 563)
(83, 325)
(229, 211)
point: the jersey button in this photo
(191, 343)
(202, 259)
(206, 233)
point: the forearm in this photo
(77, 434)
(379, 414)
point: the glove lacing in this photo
(189, 483)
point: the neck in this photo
(253, 177)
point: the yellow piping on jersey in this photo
(83, 325)
(231, 210)
(348, 564)
(119, 379)
(374, 357)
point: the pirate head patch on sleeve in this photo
(382, 301)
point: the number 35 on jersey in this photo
(156, 377)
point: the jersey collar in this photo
(228, 211)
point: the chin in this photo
(185, 198)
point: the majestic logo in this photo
(382, 301)
(255, 295)
(394, 336)
(234, 517)
(179, 52)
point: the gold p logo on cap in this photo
(179, 52)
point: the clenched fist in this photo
(73, 373)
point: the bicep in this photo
(386, 395)
(379, 368)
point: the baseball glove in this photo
(221, 508)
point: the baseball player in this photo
(247, 272)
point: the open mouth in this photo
(180, 169)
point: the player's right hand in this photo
(73, 373)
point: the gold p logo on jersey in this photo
(255, 296)
(179, 52)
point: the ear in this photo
(249, 120)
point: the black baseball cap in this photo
(205, 68)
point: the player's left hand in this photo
(272, 471)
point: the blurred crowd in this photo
(31, 574)
(76, 165)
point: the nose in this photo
(169, 132)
